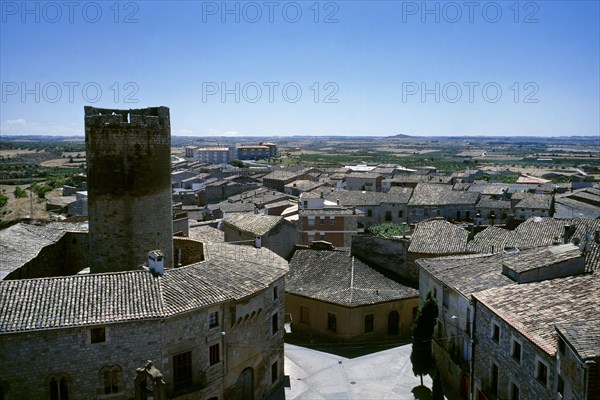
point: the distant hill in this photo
(401, 136)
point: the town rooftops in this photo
(336, 277)
(487, 202)
(533, 309)
(257, 224)
(490, 240)
(583, 336)
(426, 194)
(21, 243)
(367, 198)
(540, 257)
(230, 272)
(535, 201)
(468, 274)
(438, 237)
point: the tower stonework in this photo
(129, 187)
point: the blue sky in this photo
(306, 68)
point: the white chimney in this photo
(257, 242)
(156, 262)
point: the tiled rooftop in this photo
(229, 273)
(487, 202)
(365, 198)
(206, 234)
(584, 336)
(534, 308)
(535, 201)
(21, 243)
(257, 224)
(336, 277)
(468, 274)
(438, 237)
(541, 257)
(491, 240)
(426, 194)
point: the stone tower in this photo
(129, 187)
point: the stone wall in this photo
(389, 254)
(509, 370)
(129, 186)
(187, 251)
(244, 334)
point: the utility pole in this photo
(31, 192)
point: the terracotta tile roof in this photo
(438, 237)
(426, 194)
(535, 201)
(366, 198)
(468, 274)
(206, 234)
(486, 202)
(534, 308)
(336, 277)
(491, 240)
(21, 243)
(541, 257)
(257, 224)
(583, 336)
(229, 272)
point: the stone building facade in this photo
(129, 186)
(203, 326)
(331, 293)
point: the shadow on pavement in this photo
(421, 393)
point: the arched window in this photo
(59, 386)
(111, 379)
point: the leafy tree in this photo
(422, 331)
(237, 163)
(3, 200)
(41, 190)
(387, 230)
(20, 193)
(437, 390)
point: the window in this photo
(304, 315)
(274, 324)
(516, 351)
(514, 391)
(468, 327)
(311, 238)
(400, 214)
(388, 216)
(541, 372)
(446, 297)
(182, 370)
(213, 319)
(58, 389)
(560, 386)
(322, 220)
(111, 377)
(98, 335)
(305, 203)
(214, 354)
(494, 379)
(369, 212)
(275, 292)
(274, 372)
(368, 323)
(311, 221)
(331, 220)
(331, 322)
(495, 332)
